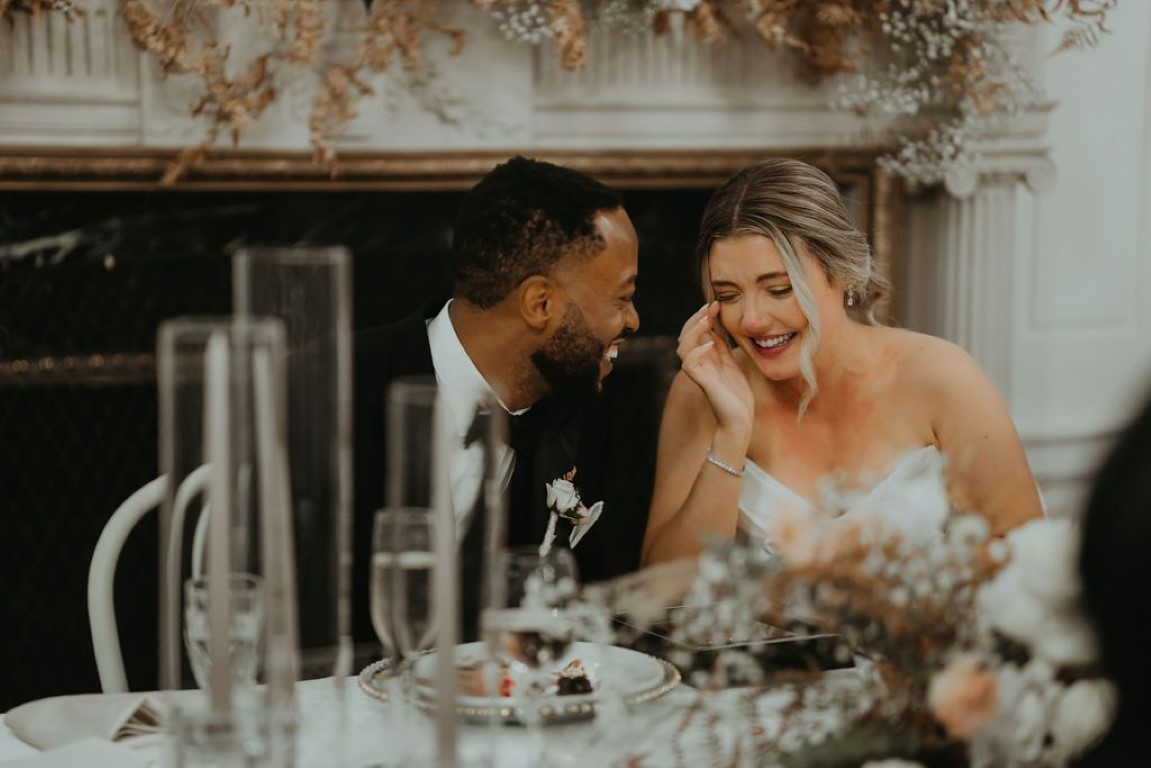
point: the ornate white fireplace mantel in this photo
(84, 85)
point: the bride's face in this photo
(758, 307)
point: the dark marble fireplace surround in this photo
(93, 256)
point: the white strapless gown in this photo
(911, 499)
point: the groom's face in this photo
(598, 314)
(572, 359)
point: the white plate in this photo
(635, 676)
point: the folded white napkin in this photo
(85, 753)
(61, 720)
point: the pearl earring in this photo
(850, 299)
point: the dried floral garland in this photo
(37, 8)
(938, 62)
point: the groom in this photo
(544, 263)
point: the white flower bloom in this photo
(1034, 599)
(966, 532)
(563, 497)
(1067, 640)
(1044, 551)
(998, 550)
(1082, 714)
(1032, 711)
(1010, 609)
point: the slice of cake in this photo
(572, 680)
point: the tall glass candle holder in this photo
(449, 459)
(223, 451)
(309, 289)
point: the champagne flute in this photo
(403, 567)
(527, 624)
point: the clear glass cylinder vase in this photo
(309, 289)
(223, 454)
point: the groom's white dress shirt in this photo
(462, 390)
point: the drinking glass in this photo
(246, 628)
(403, 605)
(528, 626)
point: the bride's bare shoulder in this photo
(931, 362)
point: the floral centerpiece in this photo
(970, 650)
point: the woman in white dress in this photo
(787, 378)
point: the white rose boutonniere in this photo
(563, 497)
(563, 500)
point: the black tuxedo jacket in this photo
(570, 438)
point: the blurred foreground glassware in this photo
(202, 737)
(527, 626)
(448, 462)
(403, 599)
(411, 414)
(246, 628)
(309, 289)
(222, 433)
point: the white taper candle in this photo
(218, 449)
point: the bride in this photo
(787, 378)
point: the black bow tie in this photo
(481, 422)
(523, 430)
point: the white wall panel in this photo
(1082, 350)
(1082, 344)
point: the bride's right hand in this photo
(706, 358)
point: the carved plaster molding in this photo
(1032, 167)
(1013, 151)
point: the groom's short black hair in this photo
(520, 220)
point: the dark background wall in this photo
(88, 273)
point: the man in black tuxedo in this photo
(544, 265)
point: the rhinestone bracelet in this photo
(711, 459)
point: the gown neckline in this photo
(896, 465)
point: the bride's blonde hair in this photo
(799, 208)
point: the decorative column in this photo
(962, 238)
(962, 252)
(964, 248)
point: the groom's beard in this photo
(570, 360)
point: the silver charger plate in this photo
(373, 679)
(638, 678)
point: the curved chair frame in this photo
(102, 569)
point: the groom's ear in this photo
(539, 302)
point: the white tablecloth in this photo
(376, 728)
(655, 733)
(10, 746)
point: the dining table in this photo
(340, 724)
(374, 730)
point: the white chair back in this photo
(101, 581)
(102, 569)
